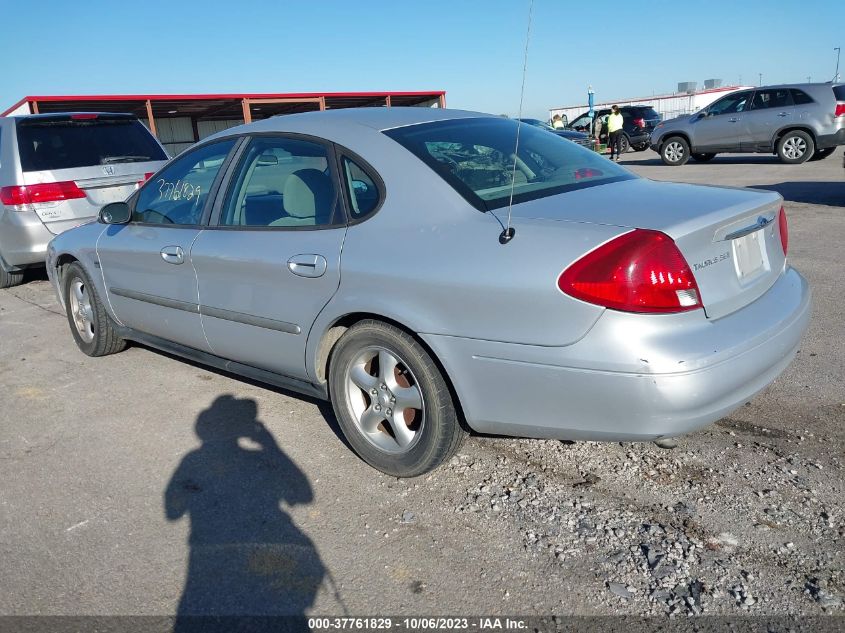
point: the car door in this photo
(151, 284)
(768, 111)
(719, 127)
(270, 260)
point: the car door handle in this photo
(733, 120)
(783, 113)
(308, 265)
(173, 254)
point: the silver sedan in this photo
(433, 271)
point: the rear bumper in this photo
(831, 140)
(23, 238)
(632, 377)
(638, 138)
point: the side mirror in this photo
(115, 213)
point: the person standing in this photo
(614, 132)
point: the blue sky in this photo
(471, 49)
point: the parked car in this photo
(638, 121)
(576, 137)
(797, 122)
(57, 170)
(364, 255)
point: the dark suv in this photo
(638, 121)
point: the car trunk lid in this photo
(729, 237)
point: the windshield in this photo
(476, 157)
(47, 144)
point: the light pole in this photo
(761, 78)
(838, 50)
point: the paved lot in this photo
(138, 481)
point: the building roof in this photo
(673, 95)
(221, 106)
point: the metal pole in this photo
(838, 50)
(761, 79)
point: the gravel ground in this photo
(745, 517)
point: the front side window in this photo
(731, 104)
(178, 194)
(773, 98)
(583, 122)
(476, 157)
(282, 182)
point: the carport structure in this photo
(181, 120)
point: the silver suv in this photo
(798, 122)
(57, 170)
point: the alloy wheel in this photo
(674, 151)
(385, 400)
(794, 147)
(81, 310)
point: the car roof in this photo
(377, 118)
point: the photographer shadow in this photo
(247, 559)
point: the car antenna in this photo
(508, 233)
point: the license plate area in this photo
(749, 255)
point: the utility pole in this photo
(761, 79)
(838, 50)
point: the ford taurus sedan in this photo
(429, 274)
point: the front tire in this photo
(703, 158)
(90, 324)
(675, 151)
(795, 147)
(391, 400)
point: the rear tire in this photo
(821, 154)
(795, 147)
(624, 144)
(641, 147)
(391, 400)
(91, 326)
(675, 151)
(703, 158)
(9, 279)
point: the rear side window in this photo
(839, 93)
(799, 97)
(363, 193)
(282, 182)
(476, 157)
(47, 144)
(772, 98)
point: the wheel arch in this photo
(667, 135)
(792, 128)
(331, 335)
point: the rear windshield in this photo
(646, 113)
(47, 144)
(476, 157)
(839, 91)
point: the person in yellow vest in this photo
(614, 132)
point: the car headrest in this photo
(309, 194)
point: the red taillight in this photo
(784, 230)
(840, 109)
(639, 122)
(41, 192)
(641, 271)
